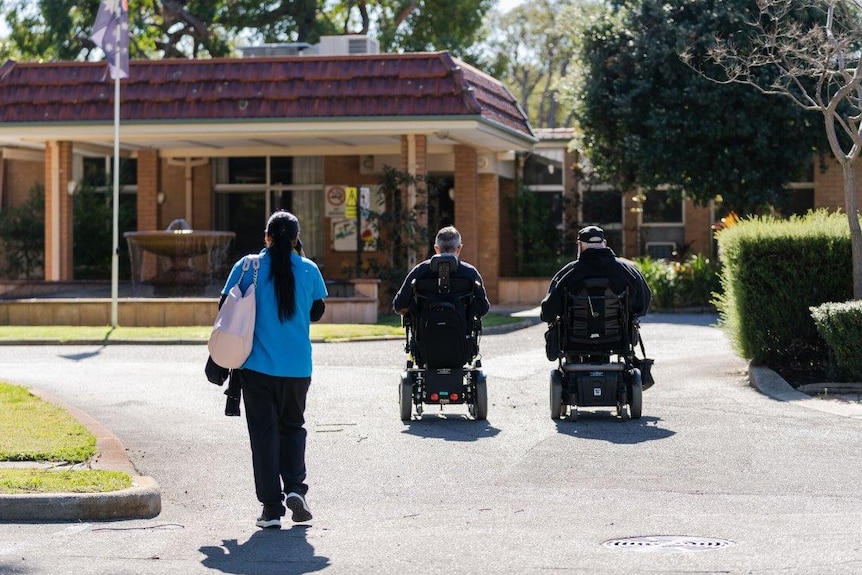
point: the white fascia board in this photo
(202, 130)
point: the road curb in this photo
(141, 501)
(773, 385)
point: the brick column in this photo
(147, 203)
(148, 188)
(572, 200)
(467, 202)
(698, 228)
(488, 240)
(415, 162)
(829, 185)
(631, 247)
(59, 223)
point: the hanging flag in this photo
(111, 34)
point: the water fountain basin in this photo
(185, 259)
(179, 243)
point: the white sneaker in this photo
(297, 505)
(268, 522)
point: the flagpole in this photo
(115, 255)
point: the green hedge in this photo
(840, 325)
(773, 271)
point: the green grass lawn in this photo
(34, 430)
(20, 481)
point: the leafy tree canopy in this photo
(60, 29)
(530, 49)
(647, 120)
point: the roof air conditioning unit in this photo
(347, 45)
(288, 49)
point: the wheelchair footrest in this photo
(444, 386)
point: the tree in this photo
(647, 121)
(814, 63)
(423, 25)
(530, 50)
(60, 29)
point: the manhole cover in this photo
(679, 543)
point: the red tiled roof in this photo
(426, 84)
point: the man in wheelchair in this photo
(591, 309)
(442, 301)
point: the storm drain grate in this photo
(680, 543)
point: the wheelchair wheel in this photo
(480, 408)
(405, 397)
(636, 397)
(556, 394)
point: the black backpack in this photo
(444, 336)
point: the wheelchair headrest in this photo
(439, 260)
(441, 279)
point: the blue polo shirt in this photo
(281, 349)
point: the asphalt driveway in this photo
(715, 478)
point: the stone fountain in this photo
(178, 261)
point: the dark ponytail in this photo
(283, 229)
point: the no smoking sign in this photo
(335, 197)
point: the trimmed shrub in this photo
(691, 283)
(840, 325)
(773, 271)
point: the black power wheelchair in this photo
(442, 345)
(593, 344)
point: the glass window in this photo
(661, 208)
(602, 207)
(243, 213)
(543, 171)
(97, 171)
(281, 170)
(800, 201)
(246, 171)
(248, 190)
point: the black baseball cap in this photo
(591, 235)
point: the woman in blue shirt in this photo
(276, 376)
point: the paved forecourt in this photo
(716, 477)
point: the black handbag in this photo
(645, 366)
(552, 341)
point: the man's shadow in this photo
(268, 551)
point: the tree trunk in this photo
(850, 205)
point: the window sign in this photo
(351, 201)
(344, 229)
(336, 197)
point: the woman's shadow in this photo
(269, 551)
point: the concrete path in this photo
(715, 478)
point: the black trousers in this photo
(275, 413)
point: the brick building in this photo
(221, 143)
